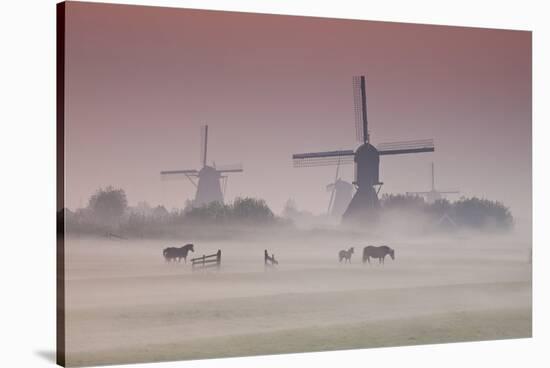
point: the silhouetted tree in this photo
(290, 210)
(211, 212)
(482, 213)
(160, 212)
(108, 204)
(440, 208)
(402, 202)
(251, 210)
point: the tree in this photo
(402, 202)
(210, 212)
(109, 204)
(290, 210)
(160, 212)
(482, 213)
(251, 210)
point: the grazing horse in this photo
(345, 255)
(173, 253)
(377, 252)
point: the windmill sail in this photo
(360, 107)
(207, 179)
(177, 174)
(230, 168)
(204, 144)
(185, 172)
(333, 186)
(340, 157)
(433, 194)
(404, 147)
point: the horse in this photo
(173, 253)
(377, 252)
(345, 255)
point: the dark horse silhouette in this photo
(377, 252)
(173, 253)
(345, 255)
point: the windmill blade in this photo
(191, 172)
(360, 108)
(331, 201)
(327, 158)
(224, 185)
(204, 144)
(433, 177)
(403, 147)
(450, 192)
(230, 168)
(177, 174)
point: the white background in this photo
(27, 243)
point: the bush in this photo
(242, 210)
(472, 212)
(482, 213)
(213, 212)
(109, 204)
(402, 202)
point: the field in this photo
(125, 304)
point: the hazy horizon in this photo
(140, 81)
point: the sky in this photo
(140, 81)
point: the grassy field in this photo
(124, 304)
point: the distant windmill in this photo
(211, 179)
(366, 158)
(433, 195)
(341, 193)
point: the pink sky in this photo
(140, 82)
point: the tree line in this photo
(108, 211)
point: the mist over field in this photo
(125, 303)
(182, 127)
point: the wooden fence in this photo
(269, 261)
(210, 261)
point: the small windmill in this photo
(209, 180)
(366, 158)
(433, 195)
(341, 193)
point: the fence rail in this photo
(207, 261)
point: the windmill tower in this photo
(341, 193)
(364, 204)
(209, 180)
(433, 195)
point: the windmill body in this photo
(364, 205)
(210, 181)
(209, 187)
(342, 194)
(433, 194)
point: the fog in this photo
(141, 81)
(126, 304)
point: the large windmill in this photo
(434, 194)
(366, 158)
(209, 180)
(341, 193)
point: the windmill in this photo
(209, 180)
(433, 195)
(341, 193)
(366, 158)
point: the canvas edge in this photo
(60, 183)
